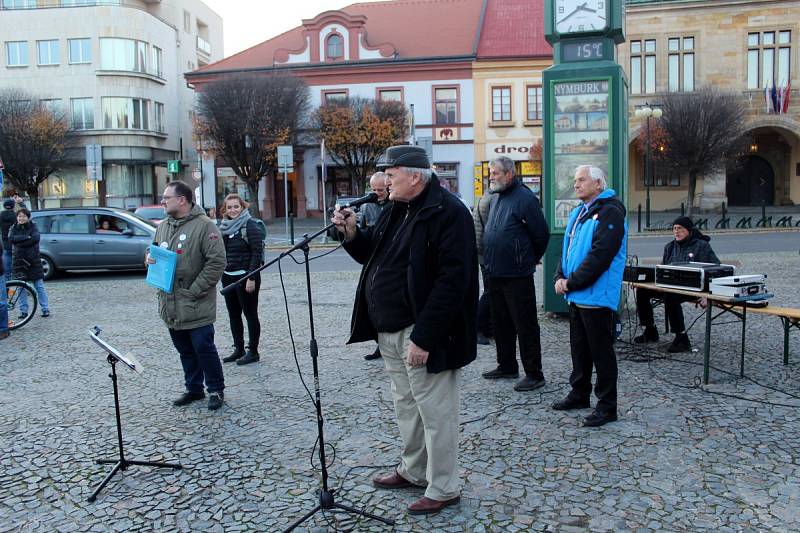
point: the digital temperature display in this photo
(582, 51)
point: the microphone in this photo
(370, 198)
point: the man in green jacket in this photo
(190, 310)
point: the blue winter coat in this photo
(516, 233)
(593, 258)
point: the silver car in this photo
(91, 238)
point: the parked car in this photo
(154, 213)
(91, 238)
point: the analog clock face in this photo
(579, 16)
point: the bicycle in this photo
(17, 292)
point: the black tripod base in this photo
(327, 503)
(123, 464)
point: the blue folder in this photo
(162, 273)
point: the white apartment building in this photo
(115, 68)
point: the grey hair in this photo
(506, 163)
(596, 173)
(425, 173)
(378, 176)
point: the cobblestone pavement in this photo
(681, 458)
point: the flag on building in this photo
(767, 98)
(787, 97)
(774, 96)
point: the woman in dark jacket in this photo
(244, 247)
(689, 246)
(26, 260)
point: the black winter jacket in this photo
(244, 255)
(442, 279)
(516, 234)
(7, 219)
(695, 248)
(27, 262)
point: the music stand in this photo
(122, 463)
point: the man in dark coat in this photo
(369, 216)
(689, 245)
(514, 240)
(418, 295)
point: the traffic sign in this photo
(285, 158)
(173, 166)
(94, 162)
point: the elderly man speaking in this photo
(418, 296)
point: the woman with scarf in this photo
(689, 245)
(244, 246)
(26, 259)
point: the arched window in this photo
(335, 47)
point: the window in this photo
(335, 47)
(448, 176)
(82, 110)
(769, 56)
(80, 50)
(534, 102)
(17, 54)
(18, 4)
(333, 96)
(49, 52)
(157, 62)
(187, 21)
(123, 54)
(680, 64)
(665, 178)
(69, 224)
(445, 105)
(158, 116)
(390, 95)
(125, 113)
(501, 104)
(55, 106)
(643, 66)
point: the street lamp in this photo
(646, 111)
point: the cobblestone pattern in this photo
(681, 458)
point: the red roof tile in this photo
(513, 28)
(416, 29)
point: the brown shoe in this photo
(426, 505)
(392, 481)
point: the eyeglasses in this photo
(165, 198)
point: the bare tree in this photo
(33, 141)
(702, 132)
(244, 118)
(358, 130)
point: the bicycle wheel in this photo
(19, 293)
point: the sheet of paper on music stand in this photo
(128, 359)
(162, 273)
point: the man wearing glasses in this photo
(190, 310)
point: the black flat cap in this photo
(404, 156)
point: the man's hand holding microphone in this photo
(345, 221)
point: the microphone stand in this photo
(326, 494)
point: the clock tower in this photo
(585, 112)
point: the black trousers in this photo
(672, 308)
(513, 303)
(591, 339)
(241, 302)
(485, 326)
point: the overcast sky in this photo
(249, 22)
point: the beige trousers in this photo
(427, 407)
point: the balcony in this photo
(203, 46)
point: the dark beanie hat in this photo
(686, 222)
(9, 203)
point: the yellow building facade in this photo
(744, 46)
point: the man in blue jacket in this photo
(514, 240)
(590, 277)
